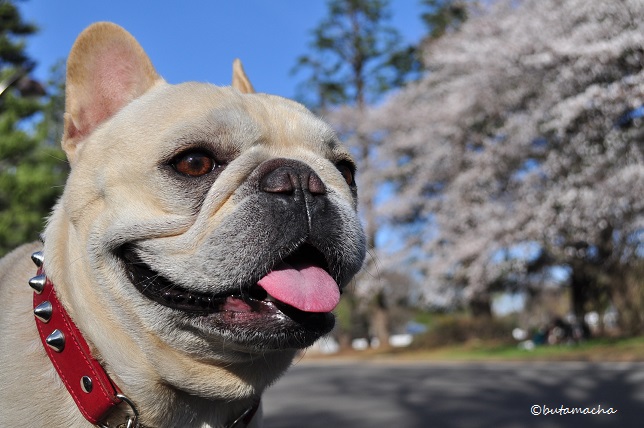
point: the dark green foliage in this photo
(11, 27)
(444, 15)
(31, 171)
(355, 56)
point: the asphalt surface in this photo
(422, 395)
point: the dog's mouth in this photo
(299, 287)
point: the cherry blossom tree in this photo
(522, 149)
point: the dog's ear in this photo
(240, 80)
(106, 69)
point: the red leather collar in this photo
(92, 389)
(87, 382)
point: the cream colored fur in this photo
(118, 113)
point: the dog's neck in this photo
(94, 392)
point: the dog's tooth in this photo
(43, 311)
(166, 295)
(191, 299)
(38, 283)
(56, 340)
(38, 258)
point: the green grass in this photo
(592, 350)
(603, 349)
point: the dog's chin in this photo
(247, 316)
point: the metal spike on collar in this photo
(56, 340)
(43, 311)
(38, 283)
(38, 258)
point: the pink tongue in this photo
(305, 287)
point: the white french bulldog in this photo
(204, 236)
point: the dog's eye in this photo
(348, 172)
(193, 164)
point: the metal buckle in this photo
(132, 421)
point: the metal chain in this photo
(132, 421)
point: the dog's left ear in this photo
(106, 70)
(240, 80)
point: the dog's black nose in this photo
(287, 176)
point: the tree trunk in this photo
(579, 292)
(346, 318)
(380, 319)
(481, 307)
(628, 297)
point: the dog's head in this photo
(200, 225)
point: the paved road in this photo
(495, 395)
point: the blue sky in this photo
(198, 40)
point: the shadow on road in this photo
(495, 395)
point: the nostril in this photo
(316, 186)
(278, 181)
(290, 176)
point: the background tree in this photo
(519, 155)
(356, 57)
(49, 129)
(443, 16)
(29, 170)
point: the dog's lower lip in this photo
(251, 318)
(162, 291)
(156, 288)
